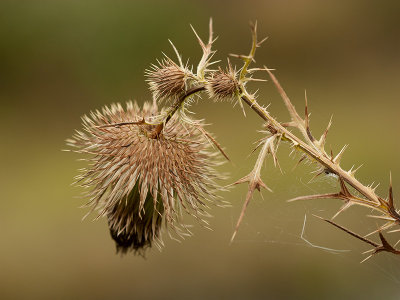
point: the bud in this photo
(137, 178)
(223, 85)
(168, 80)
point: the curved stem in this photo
(175, 108)
(182, 99)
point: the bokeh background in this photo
(61, 59)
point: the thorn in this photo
(365, 259)
(255, 79)
(290, 107)
(386, 218)
(254, 180)
(317, 196)
(252, 186)
(345, 206)
(390, 200)
(338, 157)
(307, 118)
(177, 53)
(381, 228)
(241, 106)
(261, 42)
(352, 172)
(350, 232)
(213, 141)
(322, 140)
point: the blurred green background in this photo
(61, 59)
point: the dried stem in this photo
(314, 149)
(234, 85)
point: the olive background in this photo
(61, 59)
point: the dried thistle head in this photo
(223, 85)
(167, 80)
(137, 178)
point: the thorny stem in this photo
(310, 151)
(315, 150)
(311, 147)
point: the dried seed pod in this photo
(168, 80)
(137, 178)
(223, 85)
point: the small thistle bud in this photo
(137, 178)
(168, 80)
(223, 85)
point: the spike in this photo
(338, 157)
(322, 140)
(390, 200)
(262, 41)
(255, 183)
(212, 141)
(317, 196)
(382, 228)
(307, 119)
(177, 53)
(254, 180)
(345, 206)
(365, 259)
(290, 107)
(352, 172)
(350, 232)
(383, 217)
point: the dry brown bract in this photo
(223, 85)
(167, 80)
(137, 178)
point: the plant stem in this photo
(327, 162)
(175, 108)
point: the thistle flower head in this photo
(167, 80)
(137, 178)
(223, 85)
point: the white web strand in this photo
(333, 251)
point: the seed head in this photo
(223, 85)
(137, 178)
(168, 80)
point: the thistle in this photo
(167, 80)
(223, 85)
(140, 176)
(148, 166)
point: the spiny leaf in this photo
(254, 179)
